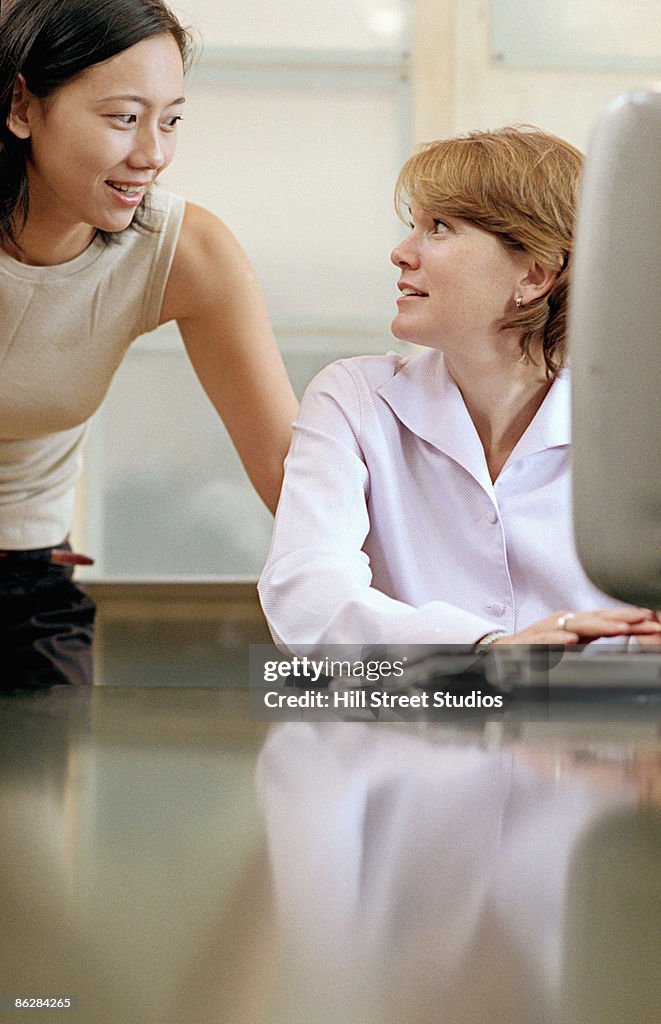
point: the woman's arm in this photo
(214, 296)
(317, 588)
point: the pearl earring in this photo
(519, 301)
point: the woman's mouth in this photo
(411, 293)
(127, 193)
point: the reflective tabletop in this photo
(166, 858)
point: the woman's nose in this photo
(148, 150)
(404, 254)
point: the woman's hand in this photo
(565, 627)
(651, 641)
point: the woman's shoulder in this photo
(209, 266)
(202, 230)
(350, 386)
(369, 371)
(370, 374)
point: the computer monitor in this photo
(614, 345)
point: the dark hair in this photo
(51, 42)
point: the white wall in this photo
(461, 85)
(327, 25)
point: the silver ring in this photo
(563, 620)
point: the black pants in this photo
(46, 624)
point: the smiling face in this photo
(97, 144)
(457, 282)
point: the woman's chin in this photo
(398, 330)
(116, 223)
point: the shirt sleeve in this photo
(316, 588)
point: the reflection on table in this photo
(165, 859)
(422, 879)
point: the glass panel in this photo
(592, 34)
(173, 491)
(343, 24)
(171, 497)
(303, 173)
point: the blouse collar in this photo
(426, 399)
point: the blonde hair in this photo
(520, 184)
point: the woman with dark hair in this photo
(427, 497)
(94, 253)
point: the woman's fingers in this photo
(610, 622)
(651, 641)
(567, 628)
(540, 634)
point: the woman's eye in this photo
(171, 122)
(440, 227)
(125, 118)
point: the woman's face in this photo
(457, 281)
(99, 142)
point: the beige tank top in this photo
(63, 333)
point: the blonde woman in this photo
(427, 498)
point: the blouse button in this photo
(497, 609)
(491, 516)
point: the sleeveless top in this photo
(63, 332)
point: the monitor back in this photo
(614, 345)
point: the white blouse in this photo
(389, 529)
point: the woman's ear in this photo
(538, 281)
(18, 121)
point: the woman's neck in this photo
(502, 399)
(41, 245)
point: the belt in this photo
(58, 556)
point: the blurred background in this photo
(298, 118)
